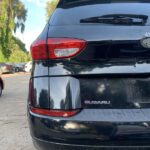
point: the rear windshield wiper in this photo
(121, 19)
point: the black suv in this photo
(90, 83)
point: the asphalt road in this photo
(14, 131)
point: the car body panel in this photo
(109, 68)
(41, 96)
(95, 128)
(108, 81)
(101, 92)
(40, 68)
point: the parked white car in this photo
(28, 67)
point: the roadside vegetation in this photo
(13, 15)
(50, 7)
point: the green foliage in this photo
(50, 7)
(19, 52)
(12, 17)
(2, 58)
(19, 15)
(19, 56)
(17, 44)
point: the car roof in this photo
(65, 2)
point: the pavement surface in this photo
(14, 131)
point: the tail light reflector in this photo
(54, 113)
(56, 48)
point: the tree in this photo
(19, 56)
(16, 13)
(19, 15)
(3, 18)
(50, 7)
(12, 17)
(19, 43)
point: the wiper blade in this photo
(121, 19)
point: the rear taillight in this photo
(54, 113)
(39, 50)
(64, 47)
(56, 48)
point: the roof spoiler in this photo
(75, 3)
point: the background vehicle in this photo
(6, 68)
(1, 86)
(19, 67)
(90, 83)
(28, 67)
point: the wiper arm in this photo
(122, 19)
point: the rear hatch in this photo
(108, 81)
(113, 70)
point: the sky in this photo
(36, 20)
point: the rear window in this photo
(71, 12)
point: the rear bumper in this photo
(45, 145)
(93, 128)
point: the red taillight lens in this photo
(39, 50)
(65, 47)
(54, 113)
(56, 48)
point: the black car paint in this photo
(2, 83)
(94, 128)
(107, 127)
(70, 82)
(1, 86)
